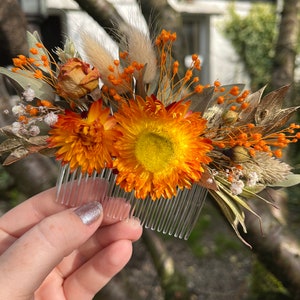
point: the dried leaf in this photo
(9, 145)
(233, 205)
(270, 105)
(38, 140)
(201, 101)
(50, 152)
(247, 115)
(232, 212)
(280, 119)
(16, 155)
(20, 146)
(7, 131)
(208, 181)
(214, 112)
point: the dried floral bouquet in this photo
(160, 131)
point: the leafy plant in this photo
(253, 37)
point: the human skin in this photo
(48, 252)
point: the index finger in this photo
(24, 216)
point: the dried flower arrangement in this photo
(160, 133)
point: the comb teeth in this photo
(176, 216)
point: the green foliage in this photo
(224, 243)
(211, 238)
(10, 196)
(253, 37)
(5, 179)
(195, 240)
(265, 285)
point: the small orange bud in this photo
(38, 74)
(244, 105)
(23, 119)
(220, 100)
(33, 111)
(33, 51)
(217, 83)
(234, 91)
(278, 153)
(199, 88)
(45, 103)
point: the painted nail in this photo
(89, 212)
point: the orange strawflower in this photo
(161, 148)
(85, 141)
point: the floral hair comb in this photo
(151, 131)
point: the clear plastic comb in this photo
(176, 216)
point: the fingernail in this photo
(134, 221)
(89, 212)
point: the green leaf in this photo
(292, 179)
(233, 206)
(232, 212)
(248, 192)
(42, 89)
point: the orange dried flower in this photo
(76, 79)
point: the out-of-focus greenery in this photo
(253, 37)
(10, 196)
(212, 236)
(265, 286)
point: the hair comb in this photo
(134, 77)
(144, 137)
(176, 216)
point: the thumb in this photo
(34, 255)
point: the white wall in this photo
(225, 65)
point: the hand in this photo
(50, 252)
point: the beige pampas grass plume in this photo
(140, 48)
(103, 60)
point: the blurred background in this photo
(251, 42)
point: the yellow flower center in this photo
(154, 151)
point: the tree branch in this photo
(172, 282)
(13, 38)
(276, 247)
(286, 46)
(105, 14)
(166, 17)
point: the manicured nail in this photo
(134, 221)
(89, 212)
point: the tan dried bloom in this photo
(268, 169)
(140, 48)
(76, 79)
